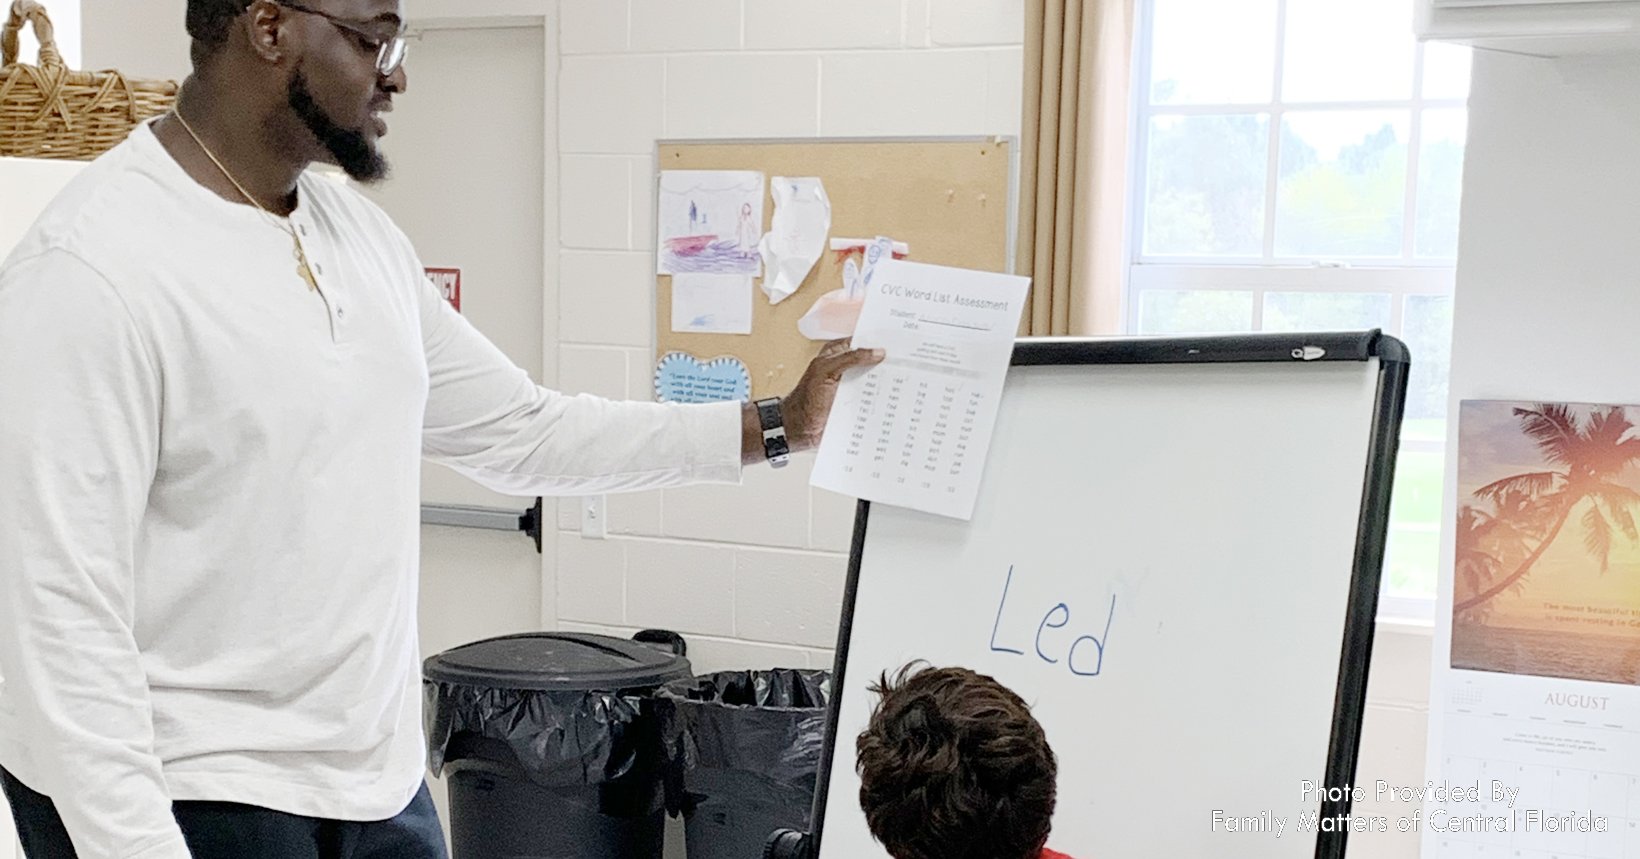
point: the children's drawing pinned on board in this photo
(835, 313)
(796, 236)
(854, 286)
(712, 303)
(879, 250)
(708, 221)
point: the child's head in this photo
(953, 766)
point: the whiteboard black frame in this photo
(1372, 530)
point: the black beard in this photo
(353, 151)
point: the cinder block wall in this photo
(752, 576)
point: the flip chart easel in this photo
(1175, 560)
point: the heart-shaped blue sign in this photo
(682, 378)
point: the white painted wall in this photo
(144, 40)
(1547, 276)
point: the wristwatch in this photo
(774, 431)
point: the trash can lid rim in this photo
(761, 708)
(556, 661)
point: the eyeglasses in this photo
(390, 52)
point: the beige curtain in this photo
(1078, 56)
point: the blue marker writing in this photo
(1097, 642)
(1005, 586)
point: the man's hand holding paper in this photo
(913, 431)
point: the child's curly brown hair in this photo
(954, 766)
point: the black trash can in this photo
(551, 745)
(743, 756)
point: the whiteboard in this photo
(1175, 560)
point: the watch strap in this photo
(775, 445)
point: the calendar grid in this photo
(1551, 790)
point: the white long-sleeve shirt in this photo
(209, 498)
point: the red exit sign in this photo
(448, 281)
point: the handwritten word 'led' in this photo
(1086, 655)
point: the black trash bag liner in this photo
(779, 687)
(558, 737)
(756, 736)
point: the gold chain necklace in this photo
(302, 267)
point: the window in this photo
(1298, 167)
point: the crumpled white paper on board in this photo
(797, 234)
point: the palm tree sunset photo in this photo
(1547, 553)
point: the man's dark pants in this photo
(226, 830)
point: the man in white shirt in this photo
(218, 376)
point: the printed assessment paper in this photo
(913, 431)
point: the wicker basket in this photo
(49, 111)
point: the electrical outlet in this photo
(594, 513)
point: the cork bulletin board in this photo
(948, 200)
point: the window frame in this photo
(1401, 277)
(1141, 112)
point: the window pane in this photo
(1413, 554)
(1446, 70)
(1205, 191)
(1426, 328)
(1342, 190)
(1339, 51)
(1440, 181)
(1326, 311)
(1195, 311)
(1213, 52)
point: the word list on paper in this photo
(913, 431)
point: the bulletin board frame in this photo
(953, 200)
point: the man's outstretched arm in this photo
(486, 419)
